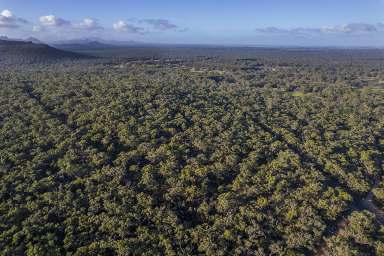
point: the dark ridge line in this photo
(111, 163)
(329, 230)
(305, 158)
(61, 117)
(357, 204)
(309, 159)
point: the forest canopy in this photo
(254, 152)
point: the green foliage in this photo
(151, 157)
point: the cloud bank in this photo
(145, 26)
(352, 28)
(53, 24)
(51, 27)
(160, 24)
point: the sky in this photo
(227, 22)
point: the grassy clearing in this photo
(300, 94)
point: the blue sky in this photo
(276, 22)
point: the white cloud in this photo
(351, 28)
(7, 13)
(122, 26)
(89, 24)
(8, 20)
(53, 21)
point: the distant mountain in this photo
(29, 52)
(94, 42)
(124, 43)
(84, 45)
(29, 39)
(5, 38)
(77, 41)
(33, 40)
